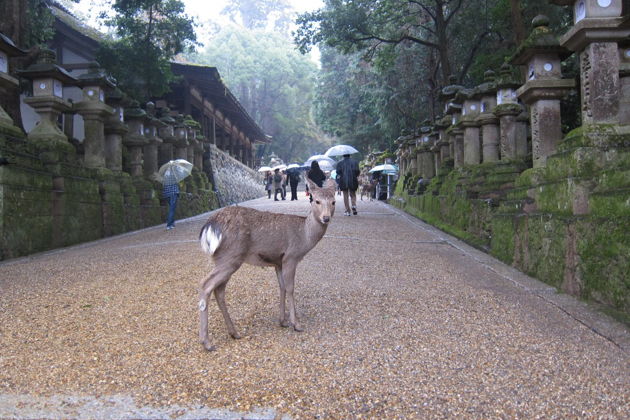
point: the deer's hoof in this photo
(209, 347)
(284, 323)
(236, 336)
(297, 328)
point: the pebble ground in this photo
(401, 321)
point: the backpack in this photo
(277, 178)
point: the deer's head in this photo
(323, 205)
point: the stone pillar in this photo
(624, 83)
(167, 134)
(507, 110)
(596, 31)
(135, 139)
(181, 139)
(150, 150)
(115, 129)
(471, 138)
(8, 83)
(442, 142)
(489, 123)
(544, 88)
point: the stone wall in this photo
(49, 203)
(233, 182)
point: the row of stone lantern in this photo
(111, 121)
(489, 122)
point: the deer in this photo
(235, 235)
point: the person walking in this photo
(294, 180)
(285, 180)
(277, 184)
(268, 183)
(316, 175)
(347, 173)
(171, 193)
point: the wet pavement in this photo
(400, 321)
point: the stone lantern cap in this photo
(134, 111)
(506, 78)
(540, 41)
(488, 87)
(95, 77)
(166, 116)
(9, 48)
(45, 67)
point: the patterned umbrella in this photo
(174, 171)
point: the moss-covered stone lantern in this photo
(115, 129)
(425, 157)
(167, 134)
(542, 54)
(181, 137)
(513, 144)
(487, 95)
(8, 50)
(94, 110)
(151, 149)
(470, 112)
(453, 109)
(135, 139)
(598, 28)
(48, 80)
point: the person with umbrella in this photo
(293, 172)
(316, 175)
(347, 173)
(171, 173)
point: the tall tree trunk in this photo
(442, 41)
(517, 22)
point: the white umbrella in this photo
(175, 170)
(319, 159)
(293, 165)
(264, 169)
(340, 150)
(324, 165)
(385, 168)
(281, 167)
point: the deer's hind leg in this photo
(220, 275)
(288, 275)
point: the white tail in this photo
(236, 235)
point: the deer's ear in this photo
(311, 185)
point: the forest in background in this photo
(383, 62)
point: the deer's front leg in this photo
(283, 316)
(288, 275)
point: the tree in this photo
(258, 14)
(273, 82)
(150, 33)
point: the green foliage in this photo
(149, 34)
(259, 14)
(274, 83)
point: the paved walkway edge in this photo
(586, 314)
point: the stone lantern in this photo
(425, 157)
(199, 149)
(48, 80)
(541, 54)
(513, 137)
(135, 139)
(151, 132)
(598, 27)
(487, 95)
(94, 110)
(167, 134)
(470, 112)
(191, 127)
(8, 50)
(442, 143)
(115, 129)
(181, 138)
(453, 110)
(624, 81)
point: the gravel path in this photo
(401, 321)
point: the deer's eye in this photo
(317, 202)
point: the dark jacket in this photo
(347, 173)
(317, 175)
